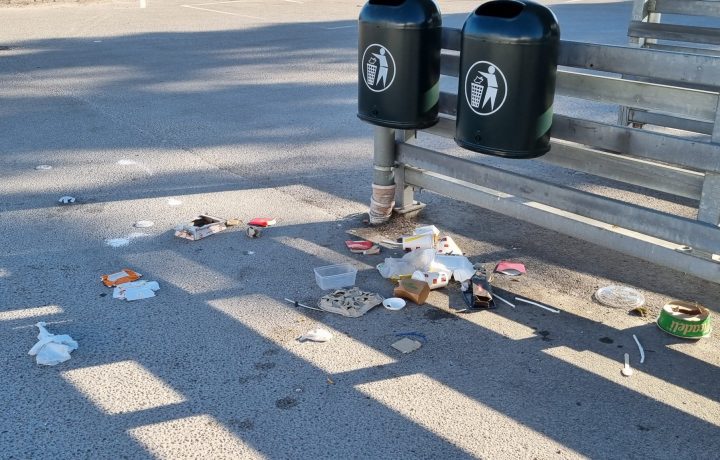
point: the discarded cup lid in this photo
(620, 297)
(143, 224)
(66, 199)
(394, 303)
(43, 167)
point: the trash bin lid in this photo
(512, 21)
(402, 14)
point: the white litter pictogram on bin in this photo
(371, 71)
(476, 92)
(377, 68)
(485, 88)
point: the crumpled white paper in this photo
(52, 349)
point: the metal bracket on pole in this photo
(405, 204)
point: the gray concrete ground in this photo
(247, 108)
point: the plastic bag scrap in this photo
(136, 290)
(318, 334)
(426, 260)
(52, 349)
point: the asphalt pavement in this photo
(248, 109)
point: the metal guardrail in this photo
(670, 163)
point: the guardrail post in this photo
(709, 209)
(405, 204)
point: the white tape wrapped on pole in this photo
(381, 203)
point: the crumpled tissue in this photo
(52, 349)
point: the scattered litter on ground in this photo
(446, 245)
(544, 307)
(417, 335)
(335, 276)
(478, 293)
(248, 253)
(372, 251)
(460, 266)
(121, 242)
(688, 320)
(435, 280)
(253, 232)
(143, 224)
(640, 348)
(52, 349)
(382, 203)
(316, 335)
(117, 242)
(394, 303)
(394, 268)
(412, 290)
(503, 300)
(406, 345)
(298, 304)
(433, 230)
(363, 247)
(639, 311)
(43, 167)
(627, 371)
(620, 297)
(200, 227)
(391, 243)
(233, 222)
(351, 302)
(121, 277)
(330, 381)
(358, 246)
(136, 290)
(510, 268)
(66, 200)
(415, 242)
(173, 202)
(262, 222)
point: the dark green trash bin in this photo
(399, 63)
(508, 65)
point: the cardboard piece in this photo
(351, 302)
(413, 290)
(406, 345)
(124, 276)
(201, 227)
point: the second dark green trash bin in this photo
(508, 65)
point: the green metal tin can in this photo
(685, 319)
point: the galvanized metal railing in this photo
(672, 163)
